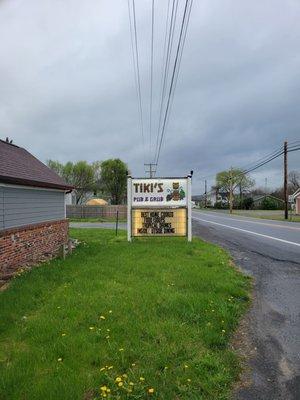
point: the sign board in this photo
(160, 222)
(159, 192)
(159, 207)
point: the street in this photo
(269, 251)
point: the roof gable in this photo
(18, 166)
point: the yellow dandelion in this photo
(131, 383)
(103, 388)
(108, 390)
(142, 379)
(150, 390)
(102, 317)
(110, 367)
(118, 379)
(120, 384)
(102, 369)
(124, 376)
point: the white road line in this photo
(246, 231)
(233, 218)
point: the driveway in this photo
(270, 252)
(105, 225)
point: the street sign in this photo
(159, 207)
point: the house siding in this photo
(25, 206)
(1, 208)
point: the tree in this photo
(294, 180)
(114, 178)
(231, 180)
(79, 174)
(56, 166)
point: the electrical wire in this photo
(151, 79)
(166, 66)
(134, 41)
(173, 75)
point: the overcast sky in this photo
(67, 83)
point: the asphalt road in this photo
(269, 251)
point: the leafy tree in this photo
(114, 178)
(79, 174)
(232, 180)
(268, 203)
(56, 166)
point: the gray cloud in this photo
(67, 85)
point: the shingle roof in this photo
(18, 166)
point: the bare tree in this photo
(294, 180)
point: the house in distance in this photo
(33, 224)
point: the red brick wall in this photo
(29, 245)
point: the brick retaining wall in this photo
(29, 245)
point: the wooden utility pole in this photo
(285, 185)
(205, 197)
(230, 192)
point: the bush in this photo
(270, 204)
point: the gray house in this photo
(33, 224)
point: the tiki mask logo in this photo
(177, 193)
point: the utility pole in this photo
(230, 192)
(285, 173)
(151, 170)
(205, 194)
(266, 185)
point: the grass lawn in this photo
(100, 219)
(277, 215)
(267, 214)
(150, 319)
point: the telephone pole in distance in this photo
(151, 170)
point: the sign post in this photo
(189, 207)
(159, 207)
(129, 180)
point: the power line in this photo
(250, 165)
(151, 77)
(180, 57)
(166, 66)
(173, 75)
(136, 62)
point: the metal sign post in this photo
(159, 207)
(189, 207)
(129, 186)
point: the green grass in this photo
(100, 219)
(170, 309)
(267, 214)
(277, 215)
